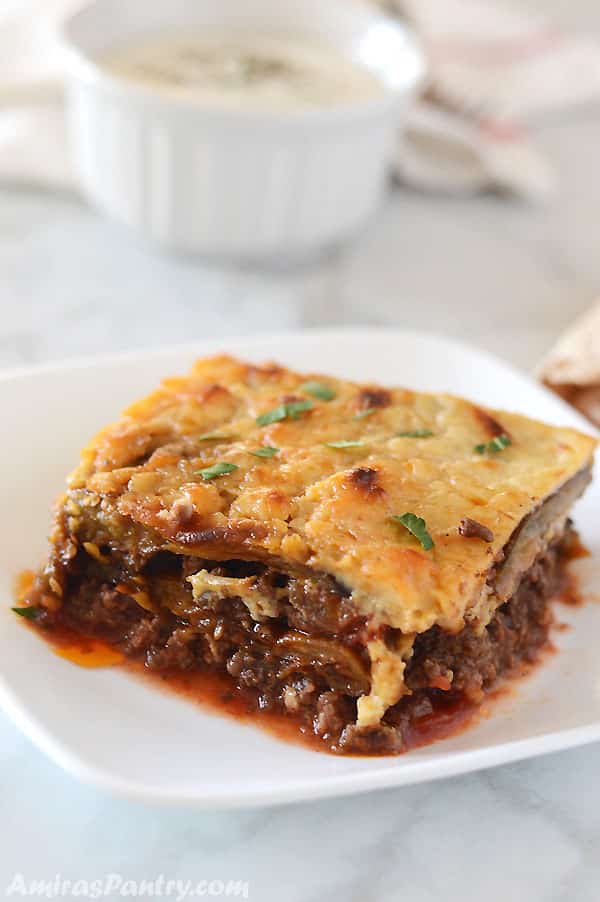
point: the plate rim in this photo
(456, 764)
(215, 345)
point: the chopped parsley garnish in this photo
(220, 469)
(291, 410)
(417, 527)
(364, 413)
(318, 390)
(416, 433)
(495, 446)
(30, 613)
(214, 437)
(344, 443)
(265, 451)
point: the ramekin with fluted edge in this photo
(236, 183)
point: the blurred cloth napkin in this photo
(572, 368)
(493, 70)
(33, 143)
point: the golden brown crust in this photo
(327, 508)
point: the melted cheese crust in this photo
(330, 510)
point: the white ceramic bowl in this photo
(240, 184)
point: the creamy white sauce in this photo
(245, 70)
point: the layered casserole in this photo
(347, 555)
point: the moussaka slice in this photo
(352, 556)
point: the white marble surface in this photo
(502, 275)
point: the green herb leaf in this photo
(416, 433)
(495, 446)
(291, 410)
(220, 469)
(344, 443)
(215, 437)
(295, 408)
(318, 390)
(364, 413)
(30, 613)
(417, 527)
(265, 451)
(499, 443)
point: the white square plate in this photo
(118, 733)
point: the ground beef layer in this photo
(310, 662)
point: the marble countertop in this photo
(503, 275)
(500, 273)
